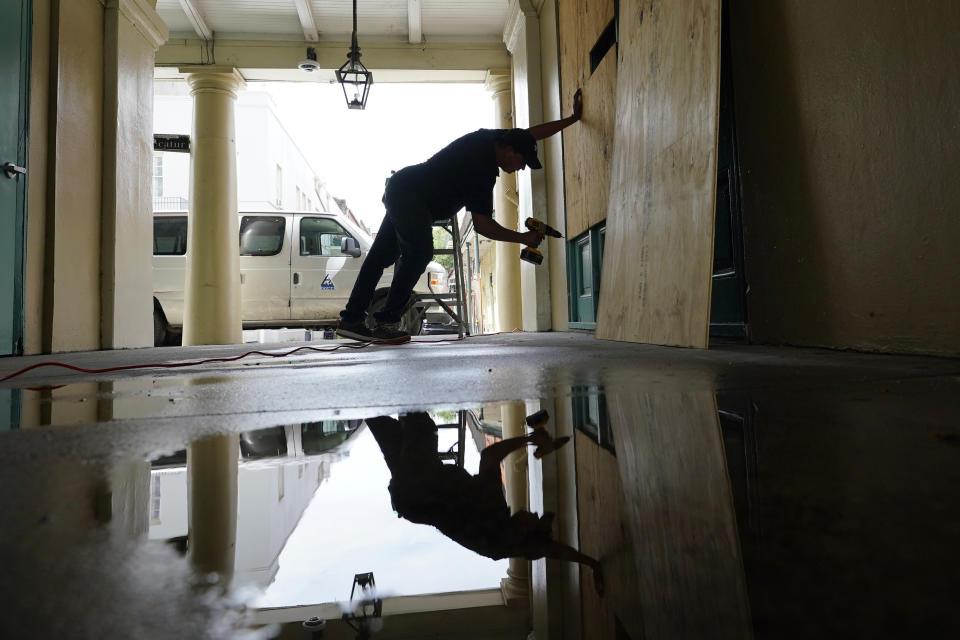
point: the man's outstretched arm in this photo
(547, 129)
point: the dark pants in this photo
(409, 445)
(406, 239)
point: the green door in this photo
(14, 53)
(14, 81)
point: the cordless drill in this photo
(531, 254)
(538, 421)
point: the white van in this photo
(280, 286)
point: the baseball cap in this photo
(524, 144)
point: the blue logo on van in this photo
(327, 283)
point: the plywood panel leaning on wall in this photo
(588, 147)
(658, 253)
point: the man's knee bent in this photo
(388, 258)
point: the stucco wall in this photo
(61, 288)
(847, 120)
(72, 259)
(132, 33)
(87, 281)
(37, 186)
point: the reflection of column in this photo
(129, 493)
(555, 584)
(507, 273)
(76, 403)
(212, 284)
(516, 585)
(212, 493)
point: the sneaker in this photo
(390, 332)
(354, 331)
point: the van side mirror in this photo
(349, 247)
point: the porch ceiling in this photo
(405, 40)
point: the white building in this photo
(272, 171)
(272, 493)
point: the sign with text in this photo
(171, 142)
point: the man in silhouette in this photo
(462, 174)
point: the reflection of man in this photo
(469, 509)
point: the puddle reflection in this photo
(713, 514)
(313, 510)
(80, 403)
(76, 562)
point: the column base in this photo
(515, 590)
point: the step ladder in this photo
(456, 451)
(453, 302)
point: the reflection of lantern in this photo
(353, 76)
(362, 613)
(364, 618)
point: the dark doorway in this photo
(728, 313)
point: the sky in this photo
(353, 151)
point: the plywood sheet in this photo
(596, 15)
(658, 255)
(573, 63)
(679, 512)
(587, 146)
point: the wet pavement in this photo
(737, 492)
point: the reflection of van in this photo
(280, 444)
(296, 270)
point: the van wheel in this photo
(159, 327)
(411, 321)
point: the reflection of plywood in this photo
(602, 527)
(587, 146)
(658, 256)
(679, 511)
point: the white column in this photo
(507, 272)
(212, 285)
(132, 33)
(521, 34)
(551, 154)
(516, 586)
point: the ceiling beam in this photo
(306, 20)
(199, 24)
(414, 28)
(277, 60)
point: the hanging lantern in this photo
(353, 77)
